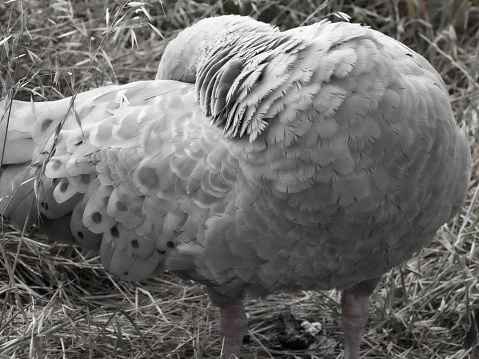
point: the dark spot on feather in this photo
(80, 234)
(46, 124)
(408, 54)
(134, 243)
(125, 273)
(161, 251)
(115, 232)
(170, 244)
(64, 187)
(121, 206)
(96, 217)
(85, 179)
(105, 200)
(44, 205)
(148, 177)
(56, 164)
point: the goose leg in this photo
(233, 327)
(355, 311)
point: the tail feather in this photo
(17, 201)
(16, 142)
(57, 229)
(83, 236)
(49, 206)
(28, 128)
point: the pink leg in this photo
(355, 308)
(233, 327)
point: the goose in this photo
(257, 162)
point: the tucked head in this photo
(182, 55)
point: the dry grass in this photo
(58, 302)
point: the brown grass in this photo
(58, 302)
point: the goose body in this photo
(257, 162)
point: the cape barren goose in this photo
(257, 162)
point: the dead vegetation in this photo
(58, 302)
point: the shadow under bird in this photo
(257, 162)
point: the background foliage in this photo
(58, 302)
